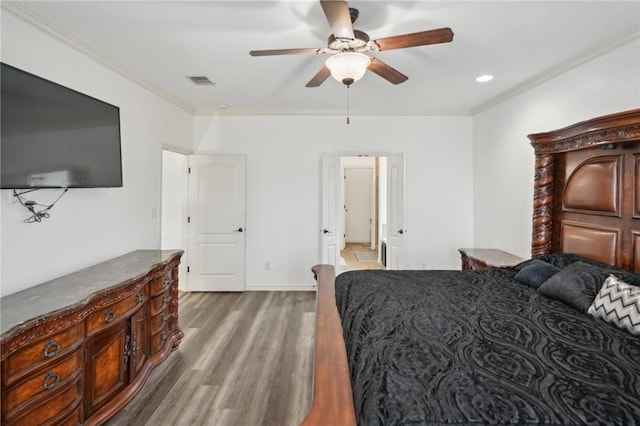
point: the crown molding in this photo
(589, 55)
(328, 112)
(87, 49)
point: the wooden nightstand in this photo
(485, 258)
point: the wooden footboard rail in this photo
(332, 402)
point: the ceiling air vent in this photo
(201, 80)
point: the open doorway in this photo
(390, 228)
(363, 195)
(173, 221)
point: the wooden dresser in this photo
(77, 349)
(485, 258)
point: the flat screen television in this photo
(55, 137)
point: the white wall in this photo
(503, 158)
(283, 184)
(469, 180)
(88, 225)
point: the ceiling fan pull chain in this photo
(348, 106)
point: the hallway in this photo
(351, 262)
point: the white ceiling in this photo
(159, 43)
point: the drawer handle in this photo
(165, 318)
(166, 299)
(127, 351)
(109, 316)
(167, 280)
(135, 348)
(140, 297)
(51, 349)
(50, 380)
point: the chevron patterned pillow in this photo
(618, 303)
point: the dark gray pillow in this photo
(536, 272)
(560, 260)
(576, 285)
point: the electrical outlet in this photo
(267, 266)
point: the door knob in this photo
(401, 231)
(326, 231)
(239, 230)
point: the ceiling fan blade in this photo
(319, 78)
(385, 71)
(285, 51)
(422, 38)
(337, 13)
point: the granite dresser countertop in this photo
(76, 288)
(493, 257)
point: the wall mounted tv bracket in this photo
(32, 206)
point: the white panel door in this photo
(330, 227)
(395, 211)
(217, 222)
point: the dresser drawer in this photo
(45, 383)
(158, 339)
(160, 303)
(112, 313)
(63, 409)
(161, 284)
(74, 419)
(158, 322)
(35, 354)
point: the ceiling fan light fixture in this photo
(348, 67)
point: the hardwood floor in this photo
(352, 262)
(246, 359)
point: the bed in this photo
(529, 344)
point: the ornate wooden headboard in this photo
(586, 197)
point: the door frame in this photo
(183, 279)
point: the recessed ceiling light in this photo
(484, 78)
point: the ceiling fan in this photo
(347, 45)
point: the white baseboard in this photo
(279, 288)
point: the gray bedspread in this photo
(469, 347)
